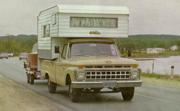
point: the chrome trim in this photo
(100, 84)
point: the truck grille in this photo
(107, 75)
(108, 66)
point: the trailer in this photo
(31, 68)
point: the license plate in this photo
(109, 84)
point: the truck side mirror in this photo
(56, 49)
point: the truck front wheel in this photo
(52, 86)
(127, 93)
(74, 94)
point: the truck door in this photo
(60, 67)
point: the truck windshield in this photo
(93, 49)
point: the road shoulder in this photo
(15, 97)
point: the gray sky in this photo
(147, 16)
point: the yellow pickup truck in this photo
(89, 65)
(77, 48)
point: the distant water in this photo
(161, 65)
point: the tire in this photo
(32, 79)
(97, 90)
(74, 94)
(127, 93)
(52, 86)
(28, 78)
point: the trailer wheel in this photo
(28, 78)
(74, 94)
(32, 79)
(127, 93)
(52, 86)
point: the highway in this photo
(147, 98)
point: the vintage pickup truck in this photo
(77, 48)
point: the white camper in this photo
(72, 21)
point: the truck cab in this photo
(89, 65)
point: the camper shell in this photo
(79, 21)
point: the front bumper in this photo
(104, 84)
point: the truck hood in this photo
(101, 61)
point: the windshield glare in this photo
(93, 49)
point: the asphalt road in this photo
(147, 97)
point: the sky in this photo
(146, 16)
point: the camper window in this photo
(54, 19)
(46, 30)
(56, 49)
(94, 22)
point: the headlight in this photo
(135, 74)
(80, 75)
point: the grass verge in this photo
(164, 77)
(164, 80)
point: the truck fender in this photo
(44, 73)
(71, 72)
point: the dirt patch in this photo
(14, 97)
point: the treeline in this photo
(17, 44)
(141, 42)
(24, 43)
